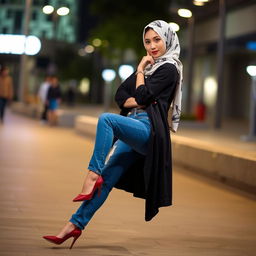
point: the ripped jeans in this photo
(133, 133)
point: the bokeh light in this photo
(62, 11)
(48, 9)
(108, 75)
(125, 71)
(251, 70)
(174, 26)
(89, 48)
(96, 42)
(185, 13)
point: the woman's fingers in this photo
(152, 61)
(148, 59)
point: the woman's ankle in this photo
(89, 182)
(93, 175)
(66, 229)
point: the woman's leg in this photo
(123, 156)
(2, 108)
(120, 158)
(49, 116)
(131, 131)
(54, 114)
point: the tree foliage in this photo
(71, 65)
(121, 22)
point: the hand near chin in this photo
(148, 59)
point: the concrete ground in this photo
(42, 169)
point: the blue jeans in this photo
(133, 133)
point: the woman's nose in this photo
(152, 46)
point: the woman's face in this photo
(154, 44)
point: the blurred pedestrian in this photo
(71, 93)
(139, 161)
(53, 100)
(42, 95)
(6, 90)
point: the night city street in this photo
(128, 127)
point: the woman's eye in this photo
(147, 42)
(157, 39)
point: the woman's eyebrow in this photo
(152, 38)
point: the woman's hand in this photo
(144, 62)
(140, 70)
(131, 103)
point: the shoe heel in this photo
(99, 190)
(74, 240)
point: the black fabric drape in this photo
(151, 176)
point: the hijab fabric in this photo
(168, 35)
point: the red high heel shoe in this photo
(97, 185)
(56, 240)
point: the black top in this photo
(151, 176)
(53, 93)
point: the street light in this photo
(185, 13)
(108, 76)
(198, 3)
(202, 1)
(48, 9)
(61, 11)
(251, 70)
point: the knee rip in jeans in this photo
(111, 152)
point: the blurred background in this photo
(77, 40)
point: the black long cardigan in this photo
(151, 176)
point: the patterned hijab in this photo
(171, 55)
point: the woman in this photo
(140, 159)
(53, 100)
(6, 90)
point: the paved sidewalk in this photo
(42, 169)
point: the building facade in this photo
(46, 26)
(240, 51)
(53, 30)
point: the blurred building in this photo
(46, 26)
(239, 52)
(54, 30)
